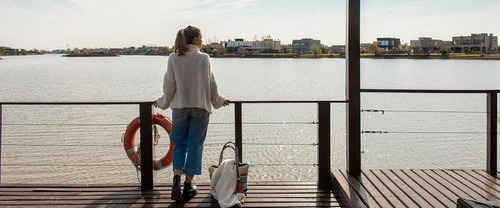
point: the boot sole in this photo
(177, 196)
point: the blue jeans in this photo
(189, 129)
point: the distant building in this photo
(338, 49)
(304, 45)
(58, 51)
(266, 44)
(475, 42)
(388, 43)
(428, 44)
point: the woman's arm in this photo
(169, 87)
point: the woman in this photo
(189, 88)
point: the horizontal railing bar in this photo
(427, 91)
(287, 101)
(78, 103)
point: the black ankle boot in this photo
(189, 191)
(176, 189)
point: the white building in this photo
(266, 44)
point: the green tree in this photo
(441, 50)
(416, 49)
(221, 50)
(373, 47)
(315, 50)
(241, 51)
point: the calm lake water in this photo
(82, 144)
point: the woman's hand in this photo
(155, 104)
(226, 102)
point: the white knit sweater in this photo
(190, 83)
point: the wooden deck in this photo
(290, 194)
(417, 188)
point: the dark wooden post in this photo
(324, 178)
(238, 129)
(146, 122)
(353, 88)
(1, 144)
(492, 131)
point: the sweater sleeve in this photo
(169, 87)
(216, 98)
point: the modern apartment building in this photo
(388, 43)
(475, 42)
(304, 45)
(266, 44)
(427, 44)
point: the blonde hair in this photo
(185, 37)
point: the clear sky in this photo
(51, 24)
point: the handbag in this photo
(241, 168)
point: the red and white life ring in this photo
(131, 148)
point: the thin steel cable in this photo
(417, 111)
(419, 132)
(113, 165)
(119, 145)
(88, 124)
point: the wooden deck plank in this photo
(447, 188)
(259, 195)
(425, 195)
(394, 189)
(474, 187)
(262, 197)
(366, 196)
(405, 188)
(492, 192)
(434, 191)
(459, 184)
(487, 176)
(395, 202)
(350, 192)
(381, 200)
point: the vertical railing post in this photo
(353, 79)
(324, 178)
(238, 129)
(146, 127)
(1, 113)
(492, 131)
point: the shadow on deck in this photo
(417, 188)
(288, 194)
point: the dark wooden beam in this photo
(324, 119)
(146, 123)
(353, 88)
(238, 129)
(492, 133)
(1, 144)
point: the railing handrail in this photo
(288, 101)
(76, 103)
(429, 91)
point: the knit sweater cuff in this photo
(162, 102)
(219, 102)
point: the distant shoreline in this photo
(90, 55)
(381, 56)
(312, 56)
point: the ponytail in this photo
(185, 37)
(181, 43)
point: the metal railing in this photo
(491, 118)
(145, 115)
